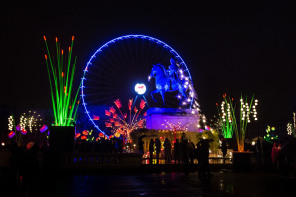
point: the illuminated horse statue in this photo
(165, 81)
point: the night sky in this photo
(229, 48)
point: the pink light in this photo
(130, 103)
(24, 132)
(96, 117)
(78, 135)
(11, 134)
(107, 113)
(43, 128)
(142, 104)
(18, 127)
(108, 124)
(117, 103)
(112, 110)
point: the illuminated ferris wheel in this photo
(118, 65)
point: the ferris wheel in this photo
(118, 65)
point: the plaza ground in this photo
(259, 181)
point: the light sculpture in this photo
(237, 121)
(61, 71)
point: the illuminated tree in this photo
(176, 128)
(125, 123)
(270, 134)
(61, 75)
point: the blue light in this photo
(113, 41)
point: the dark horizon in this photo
(234, 50)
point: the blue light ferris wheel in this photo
(113, 70)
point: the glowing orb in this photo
(140, 88)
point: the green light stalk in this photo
(61, 72)
(225, 119)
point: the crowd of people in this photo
(24, 160)
(181, 152)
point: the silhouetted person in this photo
(259, 150)
(185, 151)
(141, 146)
(167, 150)
(224, 149)
(191, 152)
(275, 155)
(30, 168)
(157, 149)
(151, 150)
(204, 157)
(177, 150)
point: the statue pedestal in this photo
(157, 118)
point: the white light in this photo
(140, 88)
(2, 144)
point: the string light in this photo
(10, 123)
(289, 128)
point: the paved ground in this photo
(222, 182)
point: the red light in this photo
(56, 39)
(78, 135)
(62, 74)
(45, 56)
(107, 113)
(83, 137)
(96, 117)
(62, 52)
(69, 48)
(112, 110)
(44, 38)
(118, 103)
(72, 38)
